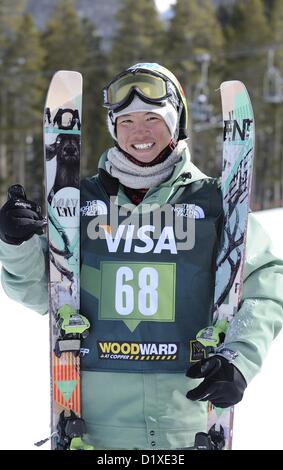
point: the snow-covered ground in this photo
(24, 391)
(24, 365)
(259, 416)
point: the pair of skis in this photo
(68, 327)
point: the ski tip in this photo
(67, 72)
(64, 85)
(232, 83)
(67, 76)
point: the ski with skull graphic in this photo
(62, 141)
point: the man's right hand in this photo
(20, 219)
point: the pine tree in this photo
(274, 84)
(276, 21)
(63, 39)
(10, 15)
(247, 39)
(193, 31)
(247, 35)
(139, 34)
(194, 44)
(96, 136)
(22, 99)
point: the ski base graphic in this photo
(62, 139)
(238, 152)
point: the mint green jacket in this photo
(151, 411)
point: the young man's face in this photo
(142, 135)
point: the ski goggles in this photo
(150, 88)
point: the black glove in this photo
(223, 383)
(20, 219)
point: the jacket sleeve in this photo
(260, 317)
(24, 273)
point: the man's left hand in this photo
(223, 383)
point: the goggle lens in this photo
(148, 85)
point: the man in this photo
(145, 296)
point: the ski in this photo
(62, 142)
(236, 178)
(236, 183)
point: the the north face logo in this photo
(94, 208)
(191, 211)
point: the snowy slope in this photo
(259, 417)
(24, 362)
(24, 391)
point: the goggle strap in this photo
(111, 116)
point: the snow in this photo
(24, 391)
(24, 362)
(259, 417)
